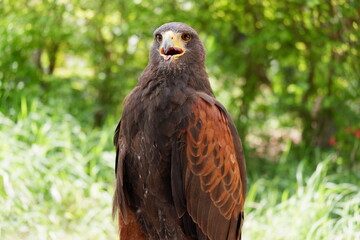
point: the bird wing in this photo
(208, 171)
(129, 226)
(119, 197)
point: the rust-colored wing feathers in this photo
(211, 157)
(213, 182)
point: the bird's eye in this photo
(158, 37)
(186, 37)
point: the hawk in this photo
(180, 169)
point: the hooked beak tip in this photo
(168, 43)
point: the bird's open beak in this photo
(172, 46)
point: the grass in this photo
(321, 208)
(56, 182)
(56, 178)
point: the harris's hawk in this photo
(180, 169)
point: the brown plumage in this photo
(180, 169)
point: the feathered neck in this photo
(191, 77)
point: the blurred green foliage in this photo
(287, 71)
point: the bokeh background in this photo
(288, 71)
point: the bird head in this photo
(177, 44)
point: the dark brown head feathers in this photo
(194, 56)
(188, 69)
